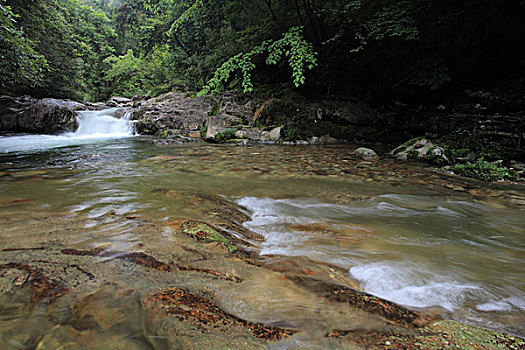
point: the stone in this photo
(323, 140)
(174, 110)
(345, 112)
(96, 106)
(46, 116)
(214, 127)
(421, 149)
(366, 153)
(260, 135)
(517, 165)
(119, 102)
(177, 110)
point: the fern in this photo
(292, 45)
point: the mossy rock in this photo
(205, 233)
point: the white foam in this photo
(406, 278)
(411, 286)
(93, 126)
(506, 304)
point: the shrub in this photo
(225, 136)
(485, 171)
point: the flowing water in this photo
(400, 231)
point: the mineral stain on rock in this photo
(42, 287)
(207, 316)
(135, 257)
(396, 314)
(148, 261)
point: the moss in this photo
(216, 109)
(203, 132)
(411, 142)
(412, 154)
(204, 232)
(228, 134)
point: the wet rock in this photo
(60, 337)
(133, 257)
(119, 102)
(175, 110)
(42, 287)
(421, 149)
(366, 153)
(148, 262)
(323, 140)
(260, 135)
(47, 116)
(206, 316)
(395, 314)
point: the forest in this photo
(382, 51)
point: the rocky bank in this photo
(488, 147)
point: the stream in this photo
(400, 231)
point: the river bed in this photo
(400, 231)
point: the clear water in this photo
(400, 230)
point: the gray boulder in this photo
(260, 135)
(47, 116)
(116, 101)
(175, 110)
(421, 149)
(366, 153)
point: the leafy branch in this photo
(292, 45)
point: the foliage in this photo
(225, 136)
(299, 52)
(20, 64)
(203, 132)
(485, 171)
(411, 50)
(62, 43)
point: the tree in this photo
(20, 64)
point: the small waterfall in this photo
(103, 124)
(93, 126)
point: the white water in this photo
(93, 126)
(416, 251)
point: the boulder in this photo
(344, 112)
(260, 135)
(214, 126)
(421, 149)
(116, 101)
(175, 110)
(47, 116)
(323, 140)
(366, 153)
(95, 106)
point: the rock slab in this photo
(46, 116)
